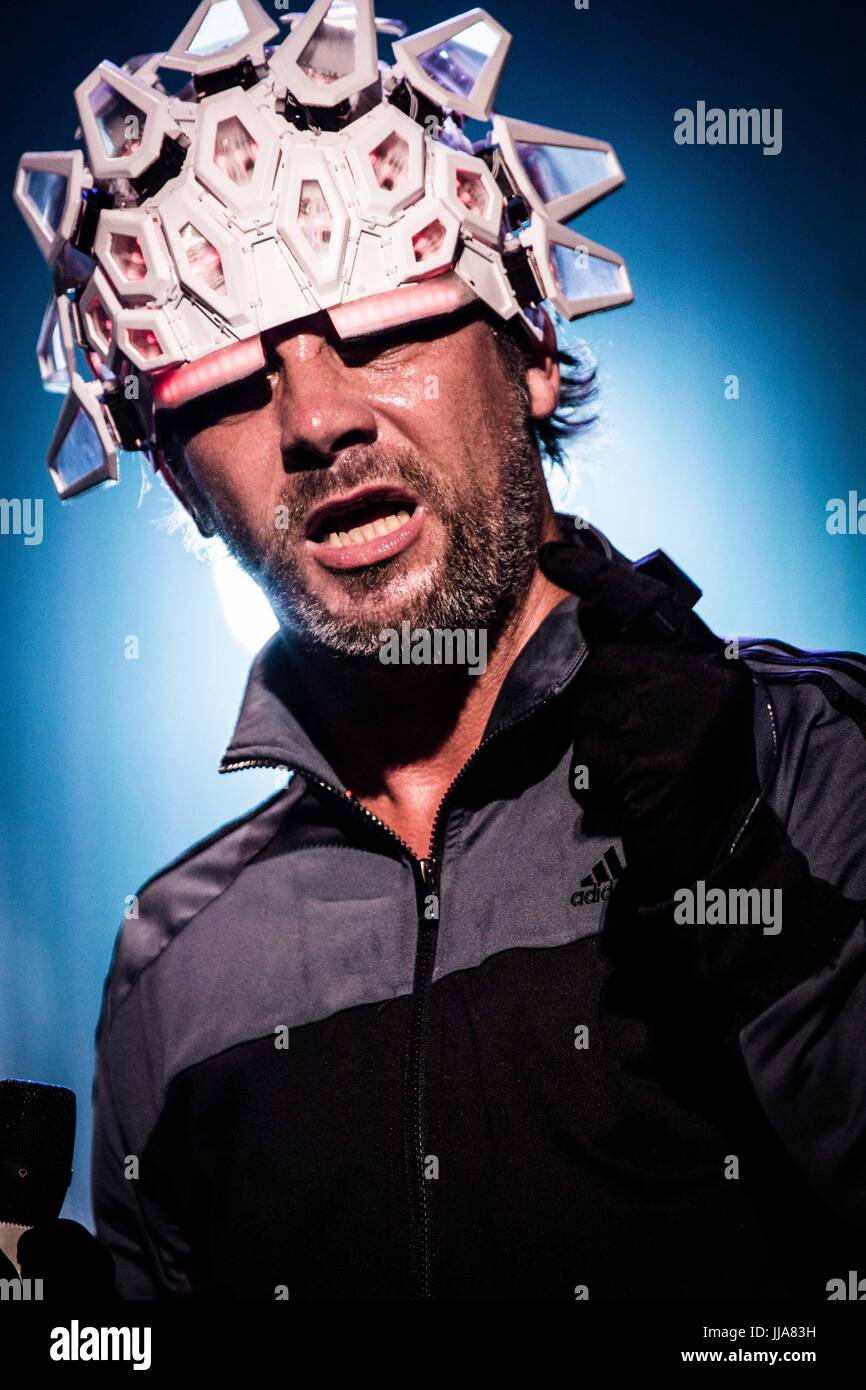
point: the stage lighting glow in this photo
(248, 614)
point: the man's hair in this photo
(575, 413)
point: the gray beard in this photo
(485, 569)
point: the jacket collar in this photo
(269, 729)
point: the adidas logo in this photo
(598, 884)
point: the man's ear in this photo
(542, 374)
(163, 462)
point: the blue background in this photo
(742, 264)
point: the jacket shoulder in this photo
(827, 680)
(173, 896)
(816, 701)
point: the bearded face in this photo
(366, 484)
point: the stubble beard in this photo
(476, 583)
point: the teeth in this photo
(382, 526)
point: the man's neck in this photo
(399, 743)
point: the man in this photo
(542, 977)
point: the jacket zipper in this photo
(425, 957)
(427, 874)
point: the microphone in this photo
(37, 1137)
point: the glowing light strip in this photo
(394, 307)
(181, 384)
(375, 313)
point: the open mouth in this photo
(363, 527)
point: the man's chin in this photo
(346, 614)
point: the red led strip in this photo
(374, 313)
(181, 384)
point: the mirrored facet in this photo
(580, 275)
(457, 63)
(203, 258)
(47, 194)
(472, 192)
(120, 123)
(99, 321)
(556, 170)
(314, 215)
(222, 26)
(59, 370)
(49, 349)
(390, 161)
(330, 52)
(145, 341)
(81, 451)
(428, 241)
(127, 255)
(235, 150)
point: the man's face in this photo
(367, 483)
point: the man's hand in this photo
(70, 1262)
(663, 723)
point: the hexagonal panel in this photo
(145, 342)
(126, 254)
(426, 242)
(130, 248)
(146, 339)
(98, 308)
(390, 161)
(209, 261)
(235, 150)
(203, 258)
(386, 154)
(119, 121)
(236, 155)
(312, 219)
(471, 192)
(124, 122)
(468, 189)
(314, 215)
(98, 323)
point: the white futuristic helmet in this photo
(287, 178)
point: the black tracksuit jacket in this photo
(347, 1073)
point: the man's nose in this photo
(322, 409)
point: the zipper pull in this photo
(428, 912)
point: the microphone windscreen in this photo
(37, 1137)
